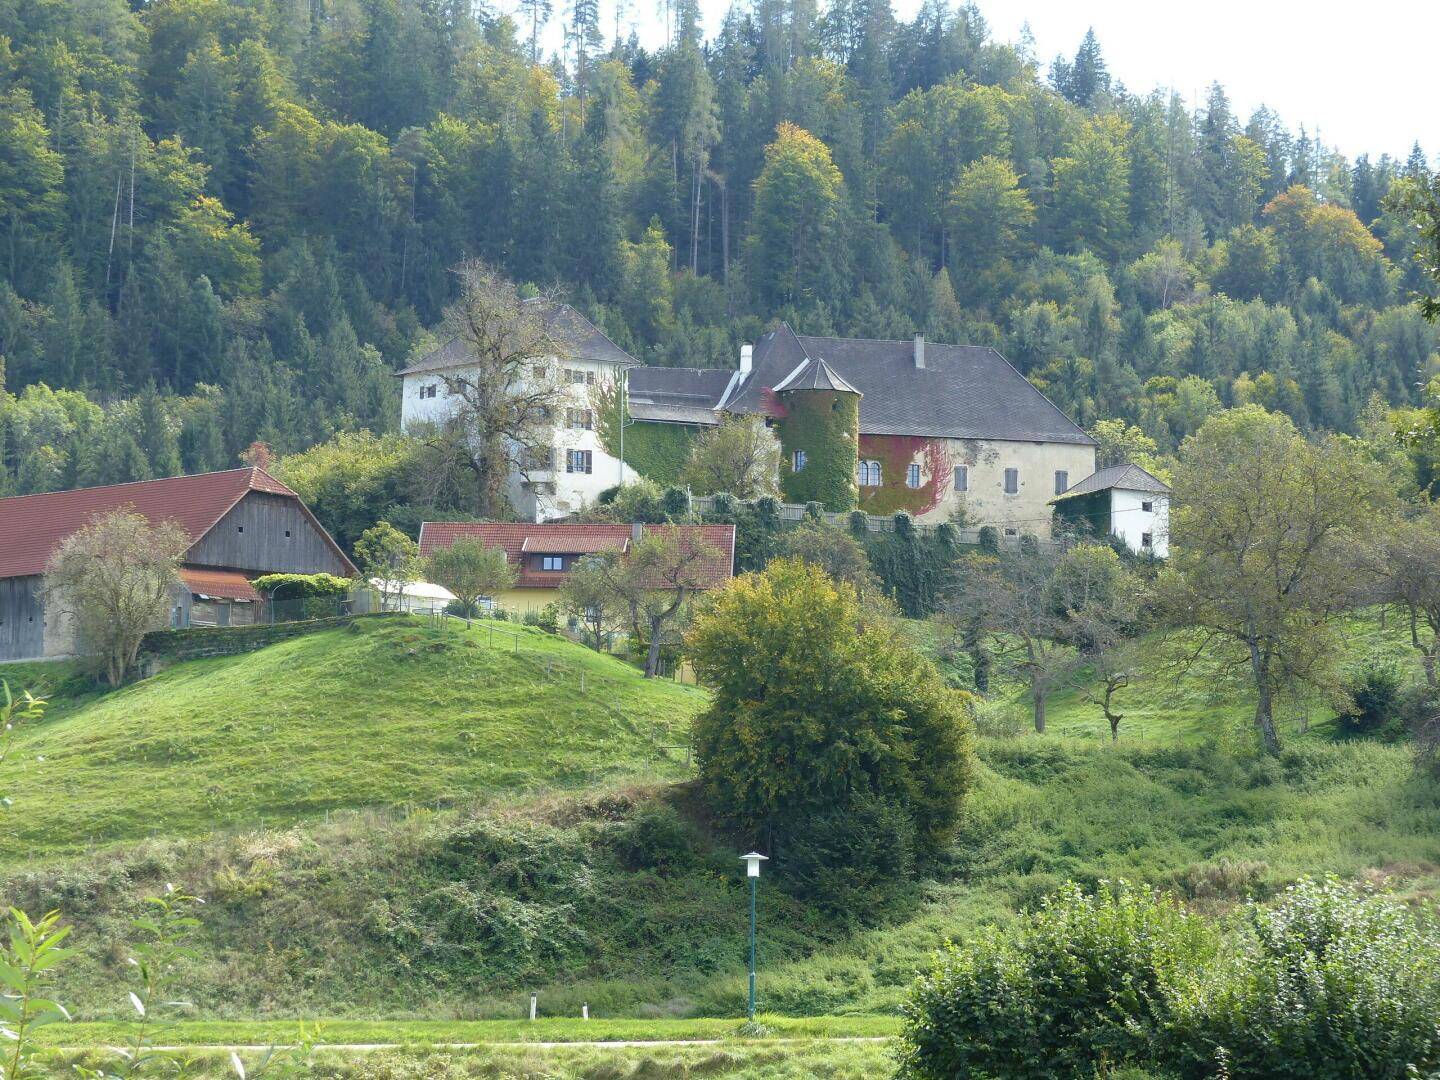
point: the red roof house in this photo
(242, 523)
(544, 554)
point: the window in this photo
(580, 378)
(1011, 532)
(428, 390)
(1062, 481)
(552, 562)
(962, 477)
(1147, 506)
(1147, 540)
(577, 461)
(869, 474)
(584, 419)
(239, 528)
(912, 476)
(1012, 481)
(797, 460)
(287, 534)
(540, 458)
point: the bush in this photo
(675, 502)
(1374, 687)
(815, 701)
(1085, 982)
(656, 838)
(853, 862)
(1335, 981)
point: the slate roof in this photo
(518, 539)
(32, 526)
(814, 375)
(586, 339)
(1122, 477)
(677, 395)
(962, 392)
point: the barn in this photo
(242, 523)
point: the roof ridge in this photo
(894, 341)
(137, 483)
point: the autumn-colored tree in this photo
(114, 579)
(797, 227)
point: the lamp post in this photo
(752, 871)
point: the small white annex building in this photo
(569, 475)
(1125, 501)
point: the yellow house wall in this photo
(523, 600)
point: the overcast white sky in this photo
(1365, 73)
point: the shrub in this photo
(853, 861)
(815, 702)
(656, 838)
(1374, 687)
(1335, 981)
(1084, 983)
(675, 502)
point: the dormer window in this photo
(552, 562)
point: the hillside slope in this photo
(380, 714)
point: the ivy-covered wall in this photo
(895, 453)
(657, 451)
(826, 425)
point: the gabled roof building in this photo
(1124, 501)
(242, 523)
(938, 430)
(561, 478)
(545, 554)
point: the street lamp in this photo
(752, 871)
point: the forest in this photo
(225, 222)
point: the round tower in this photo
(819, 437)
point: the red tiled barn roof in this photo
(518, 539)
(222, 584)
(32, 526)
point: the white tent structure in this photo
(413, 596)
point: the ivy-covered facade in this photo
(940, 432)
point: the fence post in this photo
(533, 999)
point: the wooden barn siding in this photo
(22, 619)
(263, 547)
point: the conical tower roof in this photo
(815, 375)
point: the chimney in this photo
(746, 353)
(637, 532)
(919, 350)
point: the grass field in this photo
(1169, 701)
(759, 1060)
(375, 715)
(433, 1032)
(566, 859)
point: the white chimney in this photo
(747, 352)
(919, 350)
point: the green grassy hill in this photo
(383, 713)
(565, 857)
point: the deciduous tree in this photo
(740, 456)
(1263, 524)
(114, 579)
(817, 704)
(471, 570)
